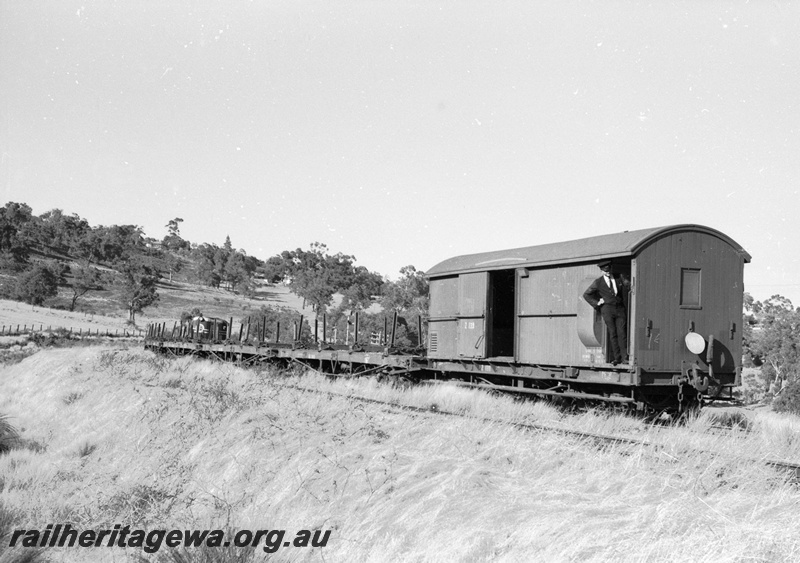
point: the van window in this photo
(690, 288)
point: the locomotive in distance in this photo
(516, 320)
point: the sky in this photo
(408, 132)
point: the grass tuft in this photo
(174, 383)
(9, 437)
(137, 505)
(86, 449)
(30, 445)
(72, 398)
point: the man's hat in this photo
(604, 263)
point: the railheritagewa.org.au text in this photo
(64, 535)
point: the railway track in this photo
(789, 469)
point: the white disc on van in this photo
(695, 343)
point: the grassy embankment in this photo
(122, 436)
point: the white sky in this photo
(407, 132)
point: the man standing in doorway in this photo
(606, 295)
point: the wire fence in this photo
(22, 329)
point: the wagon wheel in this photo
(659, 404)
(713, 393)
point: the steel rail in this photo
(792, 469)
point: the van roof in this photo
(590, 249)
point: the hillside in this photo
(60, 261)
(174, 299)
(113, 435)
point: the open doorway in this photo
(502, 303)
(622, 271)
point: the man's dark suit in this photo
(613, 312)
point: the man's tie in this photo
(612, 284)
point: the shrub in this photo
(753, 387)
(374, 323)
(788, 399)
(36, 284)
(270, 316)
(8, 435)
(59, 337)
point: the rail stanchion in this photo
(394, 329)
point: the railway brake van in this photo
(517, 318)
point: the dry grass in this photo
(128, 437)
(177, 298)
(13, 313)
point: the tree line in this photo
(772, 343)
(40, 254)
